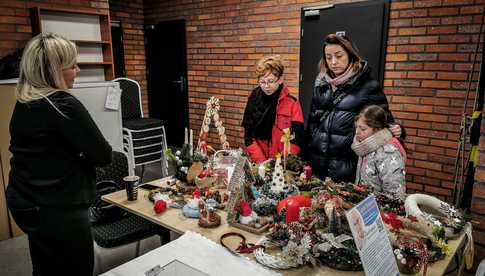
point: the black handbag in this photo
(102, 211)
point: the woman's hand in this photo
(395, 130)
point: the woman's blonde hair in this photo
(355, 59)
(270, 64)
(43, 60)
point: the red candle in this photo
(308, 173)
(292, 211)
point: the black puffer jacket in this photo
(331, 128)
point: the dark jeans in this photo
(60, 238)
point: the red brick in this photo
(452, 76)
(396, 57)
(412, 31)
(418, 107)
(414, 186)
(444, 143)
(456, 20)
(397, 40)
(432, 133)
(441, 48)
(473, 29)
(13, 20)
(416, 124)
(438, 66)
(433, 117)
(457, 2)
(435, 101)
(443, 11)
(426, 21)
(479, 189)
(442, 29)
(427, 3)
(409, 66)
(420, 92)
(427, 165)
(437, 190)
(413, 13)
(401, 5)
(409, 48)
(454, 57)
(404, 115)
(415, 171)
(400, 23)
(444, 126)
(471, 10)
(407, 83)
(423, 57)
(424, 39)
(478, 206)
(421, 75)
(394, 74)
(435, 84)
(454, 38)
(427, 180)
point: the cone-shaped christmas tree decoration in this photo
(278, 184)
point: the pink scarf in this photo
(334, 82)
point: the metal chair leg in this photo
(138, 248)
(142, 173)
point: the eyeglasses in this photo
(270, 82)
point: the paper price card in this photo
(371, 238)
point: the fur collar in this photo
(372, 143)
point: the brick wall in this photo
(429, 56)
(430, 53)
(224, 41)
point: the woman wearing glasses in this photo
(55, 147)
(271, 109)
(343, 88)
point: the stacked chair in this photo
(118, 236)
(144, 139)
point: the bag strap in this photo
(336, 100)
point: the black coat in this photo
(54, 155)
(331, 128)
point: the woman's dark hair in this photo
(374, 116)
(349, 47)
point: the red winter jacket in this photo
(288, 110)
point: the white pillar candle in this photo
(191, 141)
(186, 137)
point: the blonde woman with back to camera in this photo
(55, 148)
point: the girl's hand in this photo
(395, 130)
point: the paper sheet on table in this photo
(196, 251)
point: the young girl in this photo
(382, 157)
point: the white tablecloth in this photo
(196, 251)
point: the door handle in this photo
(181, 82)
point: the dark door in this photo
(118, 50)
(365, 23)
(167, 77)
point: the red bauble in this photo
(160, 206)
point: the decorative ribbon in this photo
(285, 139)
(243, 248)
(332, 241)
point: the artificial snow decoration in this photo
(279, 183)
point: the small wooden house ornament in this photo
(239, 187)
